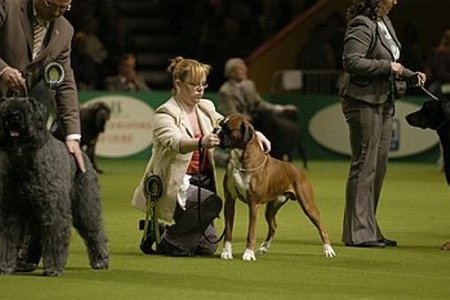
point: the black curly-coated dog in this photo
(42, 193)
(435, 115)
(93, 121)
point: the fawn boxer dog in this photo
(256, 179)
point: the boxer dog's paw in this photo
(264, 248)
(328, 250)
(248, 255)
(446, 246)
(227, 253)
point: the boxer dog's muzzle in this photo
(232, 136)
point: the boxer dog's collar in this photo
(244, 170)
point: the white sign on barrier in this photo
(329, 129)
(129, 129)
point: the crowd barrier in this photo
(324, 131)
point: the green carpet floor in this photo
(414, 210)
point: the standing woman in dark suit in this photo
(374, 80)
(24, 54)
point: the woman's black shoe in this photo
(368, 244)
(389, 243)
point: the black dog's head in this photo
(100, 112)
(430, 115)
(235, 132)
(435, 115)
(22, 123)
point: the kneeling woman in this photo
(182, 130)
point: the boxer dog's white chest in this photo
(238, 181)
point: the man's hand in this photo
(74, 148)
(290, 108)
(13, 79)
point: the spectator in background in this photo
(84, 68)
(239, 94)
(273, 18)
(317, 53)
(439, 64)
(336, 26)
(94, 46)
(127, 78)
(413, 54)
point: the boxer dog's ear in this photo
(247, 132)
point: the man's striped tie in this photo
(38, 37)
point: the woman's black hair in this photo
(362, 7)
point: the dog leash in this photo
(200, 224)
(428, 93)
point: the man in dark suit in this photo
(25, 51)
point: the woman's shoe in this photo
(389, 243)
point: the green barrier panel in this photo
(308, 107)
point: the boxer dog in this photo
(256, 179)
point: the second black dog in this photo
(93, 121)
(284, 134)
(435, 115)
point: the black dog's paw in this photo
(101, 264)
(24, 267)
(6, 271)
(52, 273)
(99, 260)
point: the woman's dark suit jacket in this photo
(367, 62)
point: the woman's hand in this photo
(397, 69)
(264, 143)
(210, 140)
(421, 78)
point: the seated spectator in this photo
(84, 68)
(239, 94)
(127, 78)
(439, 64)
(95, 48)
(317, 53)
